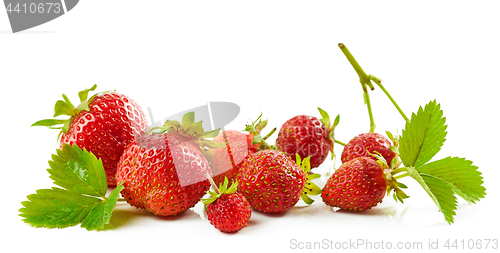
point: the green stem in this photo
(399, 170)
(370, 113)
(365, 81)
(379, 83)
(401, 176)
(339, 142)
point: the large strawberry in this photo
(104, 125)
(227, 209)
(165, 173)
(273, 183)
(356, 185)
(308, 136)
(238, 146)
(366, 144)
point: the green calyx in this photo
(310, 188)
(255, 129)
(330, 128)
(65, 107)
(193, 130)
(392, 184)
(217, 192)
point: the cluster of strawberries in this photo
(169, 171)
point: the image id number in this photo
(34, 8)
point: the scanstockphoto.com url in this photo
(366, 244)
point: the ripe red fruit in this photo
(165, 173)
(366, 143)
(307, 136)
(104, 125)
(238, 145)
(273, 183)
(356, 185)
(228, 160)
(227, 209)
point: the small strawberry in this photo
(273, 183)
(164, 173)
(104, 125)
(238, 146)
(308, 136)
(227, 209)
(366, 144)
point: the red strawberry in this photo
(357, 185)
(366, 144)
(227, 209)
(165, 173)
(227, 160)
(308, 136)
(104, 125)
(273, 183)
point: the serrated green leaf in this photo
(423, 136)
(57, 207)
(101, 214)
(465, 177)
(440, 192)
(443, 196)
(78, 170)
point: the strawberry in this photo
(308, 136)
(366, 144)
(165, 172)
(356, 185)
(227, 209)
(104, 125)
(273, 183)
(238, 145)
(227, 160)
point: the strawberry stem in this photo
(339, 142)
(379, 84)
(365, 81)
(216, 189)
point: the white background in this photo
(276, 57)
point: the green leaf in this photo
(465, 178)
(101, 214)
(57, 208)
(211, 134)
(83, 95)
(325, 118)
(261, 125)
(188, 119)
(63, 108)
(423, 136)
(49, 122)
(78, 170)
(257, 139)
(61, 208)
(440, 192)
(82, 201)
